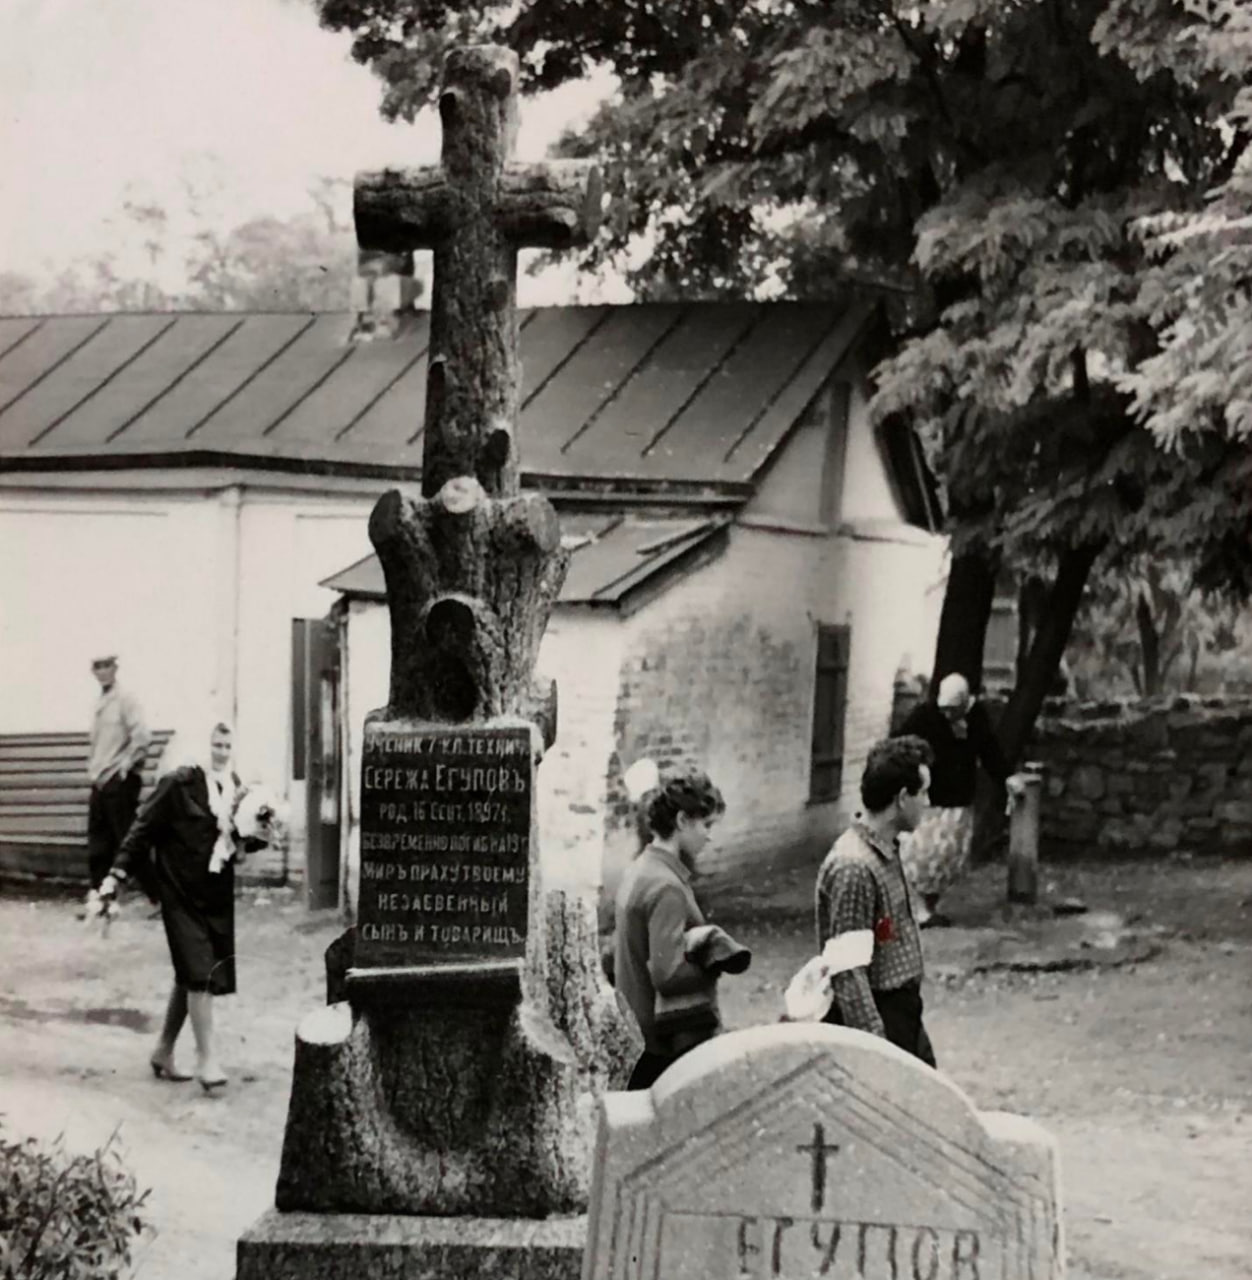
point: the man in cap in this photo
(119, 746)
(960, 734)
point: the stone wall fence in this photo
(1125, 779)
(1141, 777)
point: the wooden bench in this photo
(43, 802)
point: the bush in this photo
(63, 1216)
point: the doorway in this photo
(315, 706)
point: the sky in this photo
(250, 100)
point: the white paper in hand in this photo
(809, 994)
(849, 951)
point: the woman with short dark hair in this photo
(666, 960)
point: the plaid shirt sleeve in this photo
(850, 907)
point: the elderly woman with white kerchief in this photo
(960, 734)
(194, 822)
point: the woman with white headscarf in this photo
(961, 735)
(189, 821)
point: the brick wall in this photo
(719, 671)
(1147, 777)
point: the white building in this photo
(181, 489)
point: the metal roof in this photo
(611, 557)
(664, 393)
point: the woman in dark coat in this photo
(189, 822)
(961, 736)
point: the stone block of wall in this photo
(1147, 778)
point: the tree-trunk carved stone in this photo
(470, 1090)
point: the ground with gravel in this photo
(1128, 1033)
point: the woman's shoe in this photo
(212, 1086)
(167, 1071)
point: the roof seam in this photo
(374, 399)
(54, 366)
(195, 364)
(594, 416)
(310, 389)
(753, 323)
(250, 378)
(13, 346)
(595, 328)
(104, 382)
(782, 386)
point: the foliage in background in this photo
(1200, 286)
(177, 259)
(66, 1217)
(995, 170)
(1147, 629)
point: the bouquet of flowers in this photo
(257, 819)
(260, 817)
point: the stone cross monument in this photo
(454, 1086)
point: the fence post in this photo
(1023, 859)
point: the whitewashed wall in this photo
(365, 679)
(194, 590)
(582, 650)
(84, 573)
(867, 491)
(288, 544)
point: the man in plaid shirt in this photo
(863, 901)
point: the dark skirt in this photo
(652, 1065)
(198, 912)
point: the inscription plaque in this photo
(445, 845)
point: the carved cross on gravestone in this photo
(470, 581)
(476, 210)
(818, 1150)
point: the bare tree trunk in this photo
(1049, 647)
(1035, 679)
(1149, 646)
(963, 622)
(1193, 665)
(1032, 598)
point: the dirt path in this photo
(1144, 1072)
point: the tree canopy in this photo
(1198, 285)
(1027, 184)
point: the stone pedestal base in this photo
(364, 1246)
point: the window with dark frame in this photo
(830, 703)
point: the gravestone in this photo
(802, 1151)
(442, 1115)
